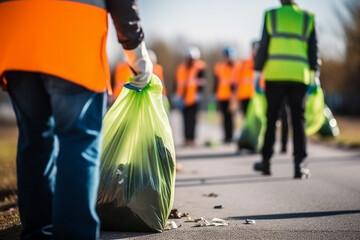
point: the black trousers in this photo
(244, 105)
(227, 120)
(284, 124)
(189, 114)
(276, 92)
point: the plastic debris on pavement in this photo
(176, 214)
(171, 225)
(211, 195)
(202, 222)
(249, 221)
(219, 222)
(219, 206)
(199, 222)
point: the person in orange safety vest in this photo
(55, 69)
(225, 73)
(190, 80)
(246, 85)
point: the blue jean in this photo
(58, 155)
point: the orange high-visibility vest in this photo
(226, 76)
(246, 77)
(246, 80)
(122, 75)
(187, 81)
(62, 38)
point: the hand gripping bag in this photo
(253, 131)
(137, 177)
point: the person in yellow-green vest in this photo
(288, 57)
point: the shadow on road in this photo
(121, 235)
(217, 156)
(228, 179)
(295, 215)
(206, 156)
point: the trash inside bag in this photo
(137, 177)
(314, 107)
(252, 133)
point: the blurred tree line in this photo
(341, 78)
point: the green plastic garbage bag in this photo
(252, 133)
(330, 127)
(314, 111)
(137, 177)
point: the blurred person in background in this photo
(288, 55)
(246, 79)
(224, 86)
(190, 82)
(122, 75)
(56, 79)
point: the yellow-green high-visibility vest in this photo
(289, 28)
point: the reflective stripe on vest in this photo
(62, 38)
(288, 57)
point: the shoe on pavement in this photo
(301, 172)
(283, 150)
(263, 167)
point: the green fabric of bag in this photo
(253, 131)
(314, 111)
(137, 176)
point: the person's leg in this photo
(296, 97)
(275, 93)
(284, 127)
(244, 106)
(78, 115)
(227, 121)
(192, 122)
(36, 152)
(186, 118)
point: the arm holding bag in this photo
(137, 177)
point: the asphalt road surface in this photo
(326, 206)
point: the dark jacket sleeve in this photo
(262, 53)
(313, 52)
(127, 22)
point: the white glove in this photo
(139, 60)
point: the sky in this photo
(235, 22)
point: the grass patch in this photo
(349, 133)
(10, 226)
